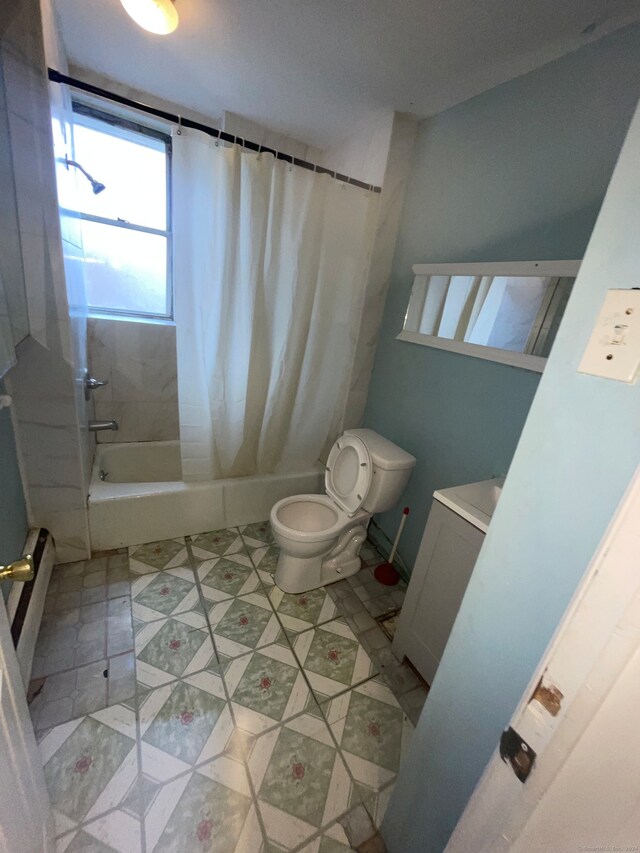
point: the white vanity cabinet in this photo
(451, 542)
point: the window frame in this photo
(129, 129)
(535, 363)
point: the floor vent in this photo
(388, 622)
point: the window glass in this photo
(125, 270)
(133, 171)
(125, 227)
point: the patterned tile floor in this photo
(184, 703)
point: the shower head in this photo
(96, 185)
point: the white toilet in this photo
(320, 536)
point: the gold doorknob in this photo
(21, 570)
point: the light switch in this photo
(613, 350)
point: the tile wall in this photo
(139, 361)
(49, 412)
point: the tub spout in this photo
(98, 426)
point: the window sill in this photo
(515, 359)
(132, 318)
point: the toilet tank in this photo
(392, 467)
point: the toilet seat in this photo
(322, 518)
(293, 529)
(348, 473)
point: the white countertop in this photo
(475, 502)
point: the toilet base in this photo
(301, 574)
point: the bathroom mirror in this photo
(506, 312)
(14, 323)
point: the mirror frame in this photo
(552, 269)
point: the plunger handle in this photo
(403, 521)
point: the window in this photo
(125, 227)
(507, 312)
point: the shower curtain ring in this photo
(179, 130)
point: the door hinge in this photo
(518, 753)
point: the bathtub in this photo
(137, 495)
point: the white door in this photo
(24, 804)
(580, 717)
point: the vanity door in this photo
(447, 555)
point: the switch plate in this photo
(613, 351)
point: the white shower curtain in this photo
(270, 268)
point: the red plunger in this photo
(385, 572)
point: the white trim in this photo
(116, 223)
(562, 269)
(130, 318)
(104, 105)
(516, 359)
(98, 314)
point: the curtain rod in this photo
(57, 77)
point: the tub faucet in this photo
(98, 426)
(90, 384)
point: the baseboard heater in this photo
(25, 602)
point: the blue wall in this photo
(13, 515)
(517, 173)
(577, 453)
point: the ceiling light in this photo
(157, 16)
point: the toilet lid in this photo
(348, 473)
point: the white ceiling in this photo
(316, 68)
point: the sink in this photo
(483, 496)
(475, 502)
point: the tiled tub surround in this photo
(49, 412)
(139, 362)
(246, 720)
